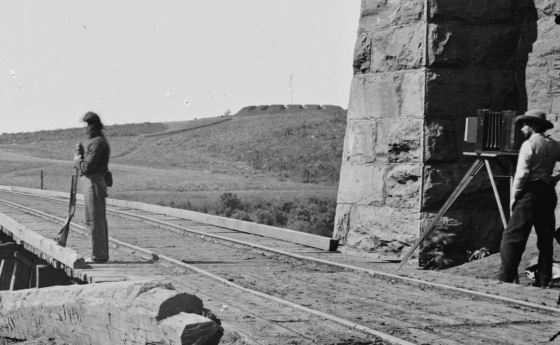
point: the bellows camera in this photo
(494, 131)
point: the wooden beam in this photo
(20, 276)
(6, 271)
(50, 248)
(145, 312)
(8, 250)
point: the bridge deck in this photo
(267, 294)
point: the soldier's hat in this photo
(91, 117)
(537, 116)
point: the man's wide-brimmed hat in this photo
(537, 116)
(91, 117)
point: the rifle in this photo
(63, 233)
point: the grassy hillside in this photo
(302, 148)
(282, 170)
(297, 147)
(127, 130)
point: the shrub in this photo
(228, 204)
(263, 217)
(242, 215)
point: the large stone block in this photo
(378, 14)
(369, 227)
(359, 141)
(554, 76)
(491, 11)
(357, 104)
(525, 47)
(495, 48)
(537, 83)
(547, 43)
(362, 54)
(441, 179)
(460, 93)
(362, 184)
(398, 94)
(543, 7)
(399, 140)
(342, 222)
(442, 139)
(398, 48)
(402, 189)
(555, 105)
(447, 46)
(554, 133)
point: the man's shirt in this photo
(537, 158)
(96, 157)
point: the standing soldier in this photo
(93, 167)
(533, 200)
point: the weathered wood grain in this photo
(67, 256)
(6, 269)
(109, 313)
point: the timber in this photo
(6, 272)
(20, 276)
(293, 236)
(49, 248)
(109, 313)
(8, 250)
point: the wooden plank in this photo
(20, 257)
(20, 276)
(33, 278)
(8, 250)
(303, 238)
(6, 271)
(106, 279)
(66, 256)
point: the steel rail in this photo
(372, 273)
(160, 259)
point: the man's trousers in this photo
(535, 208)
(95, 193)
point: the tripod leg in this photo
(475, 168)
(496, 194)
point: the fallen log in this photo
(144, 312)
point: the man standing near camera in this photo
(533, 200)
(94, 166)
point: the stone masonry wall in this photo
(542, 75)
(420, 68)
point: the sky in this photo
(135, 61)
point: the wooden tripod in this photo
(481, 160)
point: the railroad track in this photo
(353, 303)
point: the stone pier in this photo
(421, 68)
